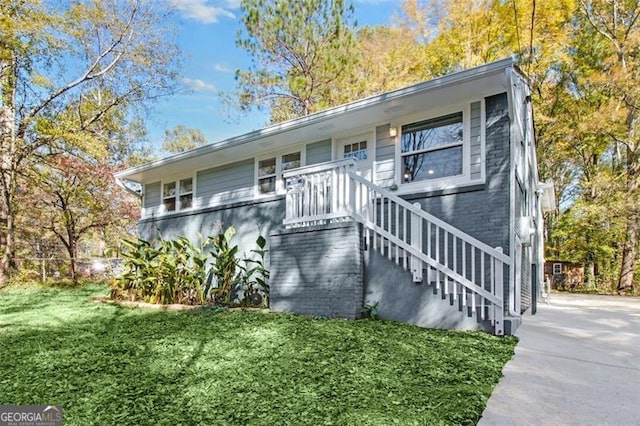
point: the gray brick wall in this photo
(317, 270)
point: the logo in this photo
(30, 415)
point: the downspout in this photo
(512, 200)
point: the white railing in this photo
(318, 194)
(460, 266)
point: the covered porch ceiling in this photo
(385, 108)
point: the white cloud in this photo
(221, 68)
(199, 85)
(202, 10)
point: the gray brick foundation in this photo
(317, 270)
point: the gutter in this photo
(122, 185)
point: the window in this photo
(270, 171)
(186, 193)
(267, 175)
(432, 149)
(177, 195)
(291, 161)
(357, 150)
(557, 268)
(169, 196)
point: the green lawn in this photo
(114, 366)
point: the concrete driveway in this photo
(577, 363)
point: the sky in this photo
(206, 33)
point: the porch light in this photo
(393, 132)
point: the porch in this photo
(352, 236)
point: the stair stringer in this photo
(400, 299)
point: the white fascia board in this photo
(447, 80)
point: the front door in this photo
(358, 147)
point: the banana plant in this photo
(225, 265)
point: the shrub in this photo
(171, 271)
(254, 276)
(225, 266)
(178, 271)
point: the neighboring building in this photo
(425, 200)
(565, 275)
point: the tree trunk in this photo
(8, 81)
(7, 263)
(630, 246)
(590, 281)
(72, 249)
(629, 250)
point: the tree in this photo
(74, 198)
(128, 143)
(182, 138)
(64, 69)
(299, 50)
(388, 58)
(616, 75)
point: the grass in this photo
(111, 365)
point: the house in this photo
(424, 200)
(564, 274)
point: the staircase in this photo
(467, 271)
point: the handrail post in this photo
(498, 289)
(334, 190)
(416, 243)
(288, 212)
(350, 189)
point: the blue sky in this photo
(206, 34)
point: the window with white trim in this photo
(357, 150)
(270, 171)
(177, 195)
(432, 149)
(267, 175)
(557, 268)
